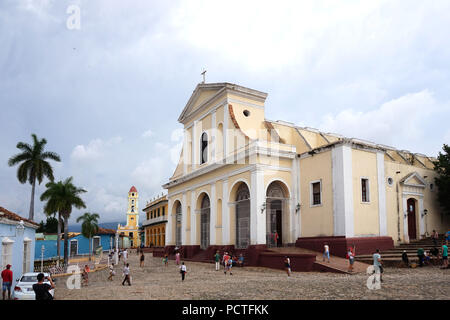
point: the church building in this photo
(131, 229)
(246, 182)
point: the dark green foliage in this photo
(33, 165)
(442, 167)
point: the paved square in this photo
(155, 281)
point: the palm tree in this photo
(33, 165)
(61, 197)
(89, 227)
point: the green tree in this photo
(89, 227)
(33, 165)
(442, 167)
(51, 225)
(61, 197)
(41, 228)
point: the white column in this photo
(343, 214)
(257, 199)
(225, 214)
(213, 215)
(382, 215)
(296, 198)
(421, 218)
(193, 220)
(185, 151)
(169, 236)
(225, 130)
(213, 137)
(405, 220)
(183, 219)
(194, 145)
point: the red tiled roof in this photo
(105, 231)
(133, 189)
(14, 216)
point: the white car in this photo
(24, 286)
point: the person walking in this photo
(7, 278)
(326, 252)
(225, 259)
(230, 265)
(217, 260)
(111, 272)
(177, 257)
(141, 260)
(287, 265)
(378, 266)
(126, 273)
(41, 289)
(183, 271)
(444, 255)
(85, 275)
(125, 256)
(166, 260)
(351, 259)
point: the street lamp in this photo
(42, 258)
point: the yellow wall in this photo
(366, 218)
(316, 221)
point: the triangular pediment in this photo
(414, 179)
(202, 94)
(207, 92)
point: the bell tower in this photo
(133, 210)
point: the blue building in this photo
(78, 244)
(17, 243)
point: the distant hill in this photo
(106, 225)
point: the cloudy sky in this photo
(106, 91)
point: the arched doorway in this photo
(412, 232)
(178, 225)
(275, 198)
(205, 215)
(242, 217)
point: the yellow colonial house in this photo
(131, 229)
(247, 183)
(155, 225)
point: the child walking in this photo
(287, 265)
(183, 271)
(111, 272)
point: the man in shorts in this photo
(7, 277)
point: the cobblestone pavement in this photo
(155, 281)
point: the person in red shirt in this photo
(7, 277)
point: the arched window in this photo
(204, 149)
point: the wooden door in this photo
(412, 233)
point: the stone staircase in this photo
(336, 264)
(393, 257)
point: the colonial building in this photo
(131, 229)
(155, 225)
(17, 242)
(246, 181)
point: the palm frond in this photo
(50, 155)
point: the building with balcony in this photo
(154, 227)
